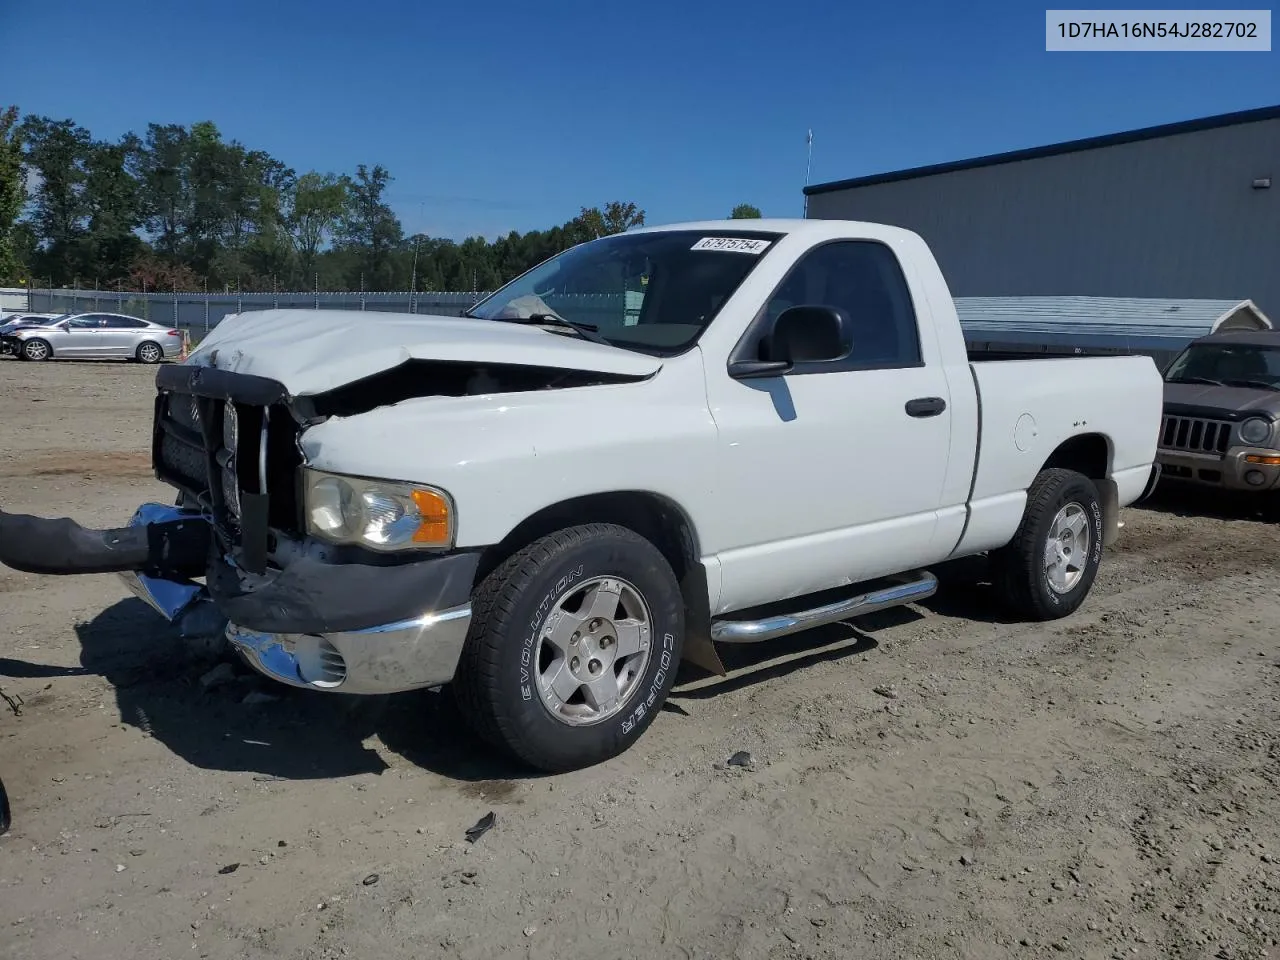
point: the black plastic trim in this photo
(313, 596)
(215, 384)
(1216, 413)
(177, 548)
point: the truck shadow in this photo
(249, 724)
(245, 723)
(1187, 501)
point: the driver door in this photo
(834, 473)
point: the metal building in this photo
(1053, 326)
(1184, 210)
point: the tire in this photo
(513, 647)
(149, 352)
(1024, 580)
(5, 816)
(36, 350)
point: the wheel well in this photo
(1088, 453)
(656, 518)
(659, 520)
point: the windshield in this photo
(651, 292)
(1228, 365)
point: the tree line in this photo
(183, 208)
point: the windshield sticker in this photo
(733, 244)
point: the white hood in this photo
(313, 351)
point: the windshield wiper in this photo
(588, 331)
(1258, 384)
(1205, 380)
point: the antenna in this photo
(807, 167)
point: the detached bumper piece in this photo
(160, 541)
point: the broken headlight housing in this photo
(383, 515)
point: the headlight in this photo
(1255, 430)
(378, 514)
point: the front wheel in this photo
(573, 647)
(1046, 571)
(36, 350)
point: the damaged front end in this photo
(233, 556)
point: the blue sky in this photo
(502, 115)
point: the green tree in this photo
(745, 211)
(58, 150)
(113, 208)
(13, 187)
(368, 225)
(312, 209)
(160, 166)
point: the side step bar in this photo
(919, 586)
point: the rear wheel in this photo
(148, 352)
(36, 350)
(1048, 568)
(573, 647)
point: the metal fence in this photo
(199, 313)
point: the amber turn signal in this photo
(433, 509)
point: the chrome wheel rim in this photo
(592, 651)
(150, 352)
(36, 350)
(1066, 550)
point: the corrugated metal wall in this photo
(1169, 217)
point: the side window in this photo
(87, 322)
(861, 279)
(122, 323)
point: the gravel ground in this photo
(933, 782)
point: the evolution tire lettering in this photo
(535, 624)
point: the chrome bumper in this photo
(392, 658)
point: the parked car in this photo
(1221, 410)
(650, 444)
(95, 336)
(14, 321)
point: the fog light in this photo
(1254, 478)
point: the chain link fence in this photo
(199, 313)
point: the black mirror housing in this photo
(808, 334)
(801, 334)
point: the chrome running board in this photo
(919, 586)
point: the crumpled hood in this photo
(1205, 396)
(313, 351)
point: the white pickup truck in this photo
(715, 432)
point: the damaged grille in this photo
(237, 460)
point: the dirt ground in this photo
(934, 782)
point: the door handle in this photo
(925, 406)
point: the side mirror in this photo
(64, 326)
(800, 334)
